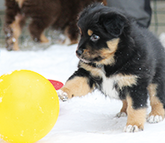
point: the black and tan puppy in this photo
(123, 61)
(60, 14)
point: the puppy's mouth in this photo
(84, 60)
(90, 60)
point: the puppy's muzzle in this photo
(79, 52)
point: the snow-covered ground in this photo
(89, 119)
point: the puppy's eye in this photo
(94, 38)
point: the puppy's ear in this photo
(113, 23)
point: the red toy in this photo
(57, 84)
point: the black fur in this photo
(138, 53)
(115, 53)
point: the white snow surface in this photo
(87, 119)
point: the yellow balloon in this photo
(29, 106)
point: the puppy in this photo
(60, 14)
(123, 61)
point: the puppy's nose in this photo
(79, 52)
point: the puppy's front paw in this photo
(132, 129)
(63, 95)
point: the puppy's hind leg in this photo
(17, 28)
(157, 114)
(123, 111)
(14, 22)
(37, 27)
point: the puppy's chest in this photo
(108, 87)
(111, 85)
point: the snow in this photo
(86, 119)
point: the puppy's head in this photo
(101, 29)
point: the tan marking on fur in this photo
(120, 79)
(20, 3)
(108, 54)
(15, 26)
(113, 44)
(108, 57)
(124, 108)
(77, 86)
(90, 32)
(156, 105)
(94, 71)
(43, 39)
(125, 80)
(135, 116)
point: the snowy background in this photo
(88, 119)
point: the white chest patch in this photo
(121, 80)
(108, 88)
